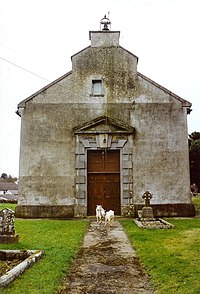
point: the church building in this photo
(103, 133)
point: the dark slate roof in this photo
(8, 186)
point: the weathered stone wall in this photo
(104, 39)
(159, 153)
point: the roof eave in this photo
(184, 102)
(80, 51)
(23, 102)
(129, 53)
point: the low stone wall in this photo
(9, 239)
(3, 200)
(44, 211)
(71, 211)
(31, 257)
(170, 210)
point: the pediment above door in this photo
(102, 125)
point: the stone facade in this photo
(104, 96)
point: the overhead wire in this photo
(22, 55)
(24, 69)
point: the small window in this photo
(97, 87)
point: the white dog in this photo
(100, 213)
(109, 217)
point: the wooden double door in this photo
(103, 180)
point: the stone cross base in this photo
(147, 213)
(9, 239)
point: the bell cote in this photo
(104, 37)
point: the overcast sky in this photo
(38, 38)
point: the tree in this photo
(6, 178)
(194, 156)
(194, 136)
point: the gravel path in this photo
(105, 264)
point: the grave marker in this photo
(7, 230)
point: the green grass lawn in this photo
(60, 239)
(7, 205)
(171, 257)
